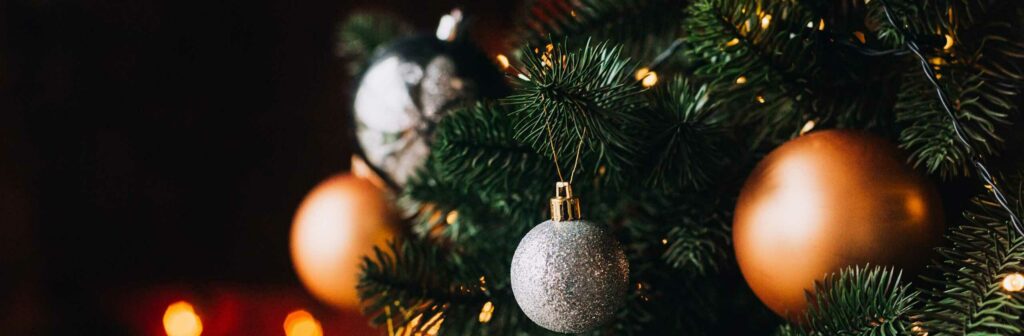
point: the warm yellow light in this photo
(765, 21)
(549, 48)
(938, 76)
(180, 319)
(452, 217)
(435, 324)
(650, 79)
(664, 241)
(503, 61)
(741, 80)
(1013, 282)
(860, 37)
(936, 61)
(732, 42)
(641, 73)
(760, 99)
(949, 42)
(808, 126)
(302, 323)
(485, 312)
(821, 24)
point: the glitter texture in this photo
(569, 276)
(397, 105)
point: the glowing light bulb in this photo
(650, 79)
(1013, 282)
(302, 323)
(765, 21)
(486, 312)
(807, 127)
(732, 42)
(949, 42)
(821, 24)
(741, 80)
(503, 61)
(641, 73)
(181, 319)
(452, 217)
(860, 37)
(760, 99)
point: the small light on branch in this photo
(503, 61)
(651, 79)
(860, 37)
(765, 21)
(486, 312)
(760, 99)
(732, 42)
(949, 42)
(1013, 282)
(821, 24)
(641, 73)
(741, 80)
(808, 126)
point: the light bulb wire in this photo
(976, 159)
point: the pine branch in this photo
(642, 27)
(970, 299)
(759, 56)
(859, 301)
(475, 150)
(688, 141)
(590, 88)
(981, 71)
(414, 278)
(361, 33)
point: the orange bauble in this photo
(825, 201)
(338, 223)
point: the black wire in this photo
(976, 159)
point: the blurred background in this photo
(153, 152)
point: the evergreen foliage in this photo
(662, 166)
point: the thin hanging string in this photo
(554, 153)
(975, 158)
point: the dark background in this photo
(146, 143)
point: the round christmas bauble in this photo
(569, 276)
(828, 200)
(338, 223)
(408, 87)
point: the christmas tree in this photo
(668, 106)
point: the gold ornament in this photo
(828, 200)
(338, 223)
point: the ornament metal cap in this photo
(564, 206)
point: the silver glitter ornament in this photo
(569, 275)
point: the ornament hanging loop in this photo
(564, 206)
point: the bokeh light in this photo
(181, 319)
(302, 323)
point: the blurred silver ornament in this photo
(569, 275)
(410, 85)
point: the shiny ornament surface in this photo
(405, 92)
(339, 222)
(569, 276)
(828, 200)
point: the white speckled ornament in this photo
(569, 275)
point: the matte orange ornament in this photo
(338, 223)
(827, 200)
